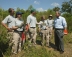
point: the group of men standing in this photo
(15, 27)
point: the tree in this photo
(67, 6)
(56, 9)
(30, 7)
(18, 9)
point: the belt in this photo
(32, 27)
(10, 31)
(58, 28)
(44, 29)
(18, 31)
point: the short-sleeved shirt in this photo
(43, 24)
(9, 20)
(50, 23)
(31, 20)
(60, 23)
(18, 23)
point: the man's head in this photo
(50, 16)
(57, 13)
(11, 11)
(33, 11)
(42, 17)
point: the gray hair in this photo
(58, 12)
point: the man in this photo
(31, 21)
(50, 25)
(43, 29)
(8, 22)
(59, 25)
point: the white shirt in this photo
(18, 23)
(43, 24)
(31, 20)
(9, 20)
(50, 23)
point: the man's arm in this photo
(64, 23)
(28, 22)
(5, 25)
(37, 23)
(14, 27)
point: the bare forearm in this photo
(28, 25)
(14, 27)
(5, 25)
(9, 29)
(38, 23)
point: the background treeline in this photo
(66, 11)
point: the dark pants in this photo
(59, 39)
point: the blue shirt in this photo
(60, 23)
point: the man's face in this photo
(13, 11)
(34, 13)
(57, 14)
(50, 17)
(43, 18)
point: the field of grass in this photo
(42, 51)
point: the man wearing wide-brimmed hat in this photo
(50, 25)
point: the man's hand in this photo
(9, 29)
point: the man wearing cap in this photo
(31, 21)
(59, 25)
(18, 27)
(50, 24)
(7, 23)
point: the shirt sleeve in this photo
(46, 22)
(28, 20)
(39, 24)
(36, 21)
(64, 22)
(5, 20)
(53, 23)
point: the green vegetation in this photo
(42, 51)
(39, 51)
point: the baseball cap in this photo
(33, 10)
(19, 13)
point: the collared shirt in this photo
(18, 23)
(60, 23)
(9, 20)
(50, 22)
(31, 20)
(43, 24)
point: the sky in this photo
(40, 5)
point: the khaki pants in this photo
(45, 33)
(32, 33)
(50, 31)
(16, 42)
(10, 38)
